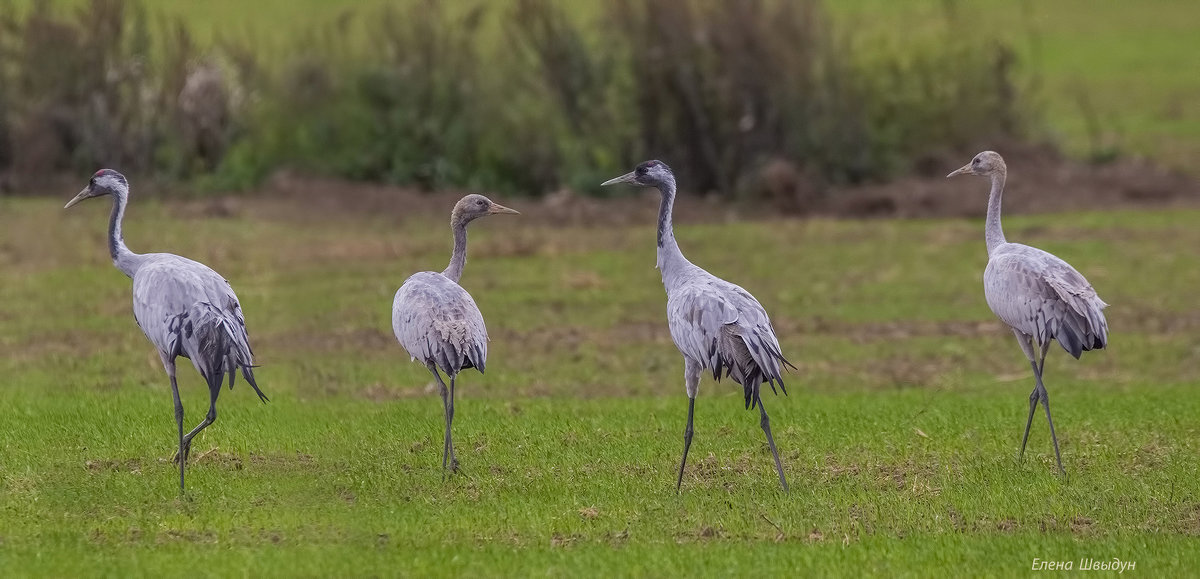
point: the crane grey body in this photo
(1040, 296)
(717, 326)
(184, 308)
(437, 321)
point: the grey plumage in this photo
(437, 321)
(1043, 297)
(184, 308)
(1040, 296)
(717, 326)
(723, 328)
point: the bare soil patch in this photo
(1040, 180)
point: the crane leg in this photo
(1039, 394)
(766, 426)
(1026, 343)
(687, 440)
(449, 423)
(446, 416)
(208, 419)
(1046, 405)
(178, 419)
(1033, 400)
(691, 382)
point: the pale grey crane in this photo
(717, 326)
(1039, 296)
(183, 307)
(438, 323)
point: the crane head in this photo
(647, 174)
(474, 206)
(104, 182)
(986, 163)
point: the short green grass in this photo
(898, 436)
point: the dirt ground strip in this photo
(1039, 181)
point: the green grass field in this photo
(898, 437)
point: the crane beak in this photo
(497, 208)
(87, 192)
(626, 178)
(964, 170)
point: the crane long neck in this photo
(994, 233)
(669, 255)
(125, 260)
(458, 258)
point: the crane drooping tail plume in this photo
(750, 361)
(216, 343)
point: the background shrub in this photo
(523, 98)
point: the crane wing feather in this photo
(723, 327)
(437, 322)
(187, 309)
(696, 315)
(1042, 296)
(167, 285)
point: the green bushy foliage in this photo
(523, 97)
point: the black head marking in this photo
(106, 174)
(647, 166)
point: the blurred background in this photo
(811, 106)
